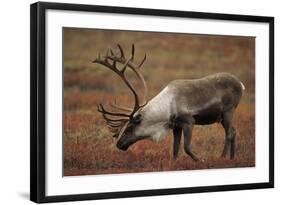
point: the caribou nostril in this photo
(121, 146)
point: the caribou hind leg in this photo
(177, 131)
(230, 134)
(232, 148)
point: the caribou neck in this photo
(159, 108)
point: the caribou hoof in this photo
(202, 160)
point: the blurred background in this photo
(88, 145)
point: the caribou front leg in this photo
(187, 122)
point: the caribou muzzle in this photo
(122, 146)
(127, 140)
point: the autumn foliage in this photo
(88, 146)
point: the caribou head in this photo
(124, 121)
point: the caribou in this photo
(181, 105)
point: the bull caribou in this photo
(182, 104)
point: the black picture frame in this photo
(38, 101)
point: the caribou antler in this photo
(110, 61)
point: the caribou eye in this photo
(115, 135)
(137, 119)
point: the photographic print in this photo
(137, 101)
(131, 102)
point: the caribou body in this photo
(182, 104)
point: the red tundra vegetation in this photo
(88, 145)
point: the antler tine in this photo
(97, 59)
(114, 105)
(133, 52)
(111, 52)
(125, 66)
(104, 111)
(121, 50)
(111, 124)
(107, 53)
(113, 120)
(144, 58)
(114, 130)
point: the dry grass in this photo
(88, 145)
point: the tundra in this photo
(182, 104)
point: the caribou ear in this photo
(137, 119)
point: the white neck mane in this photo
(159, 107)
(156, 115)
